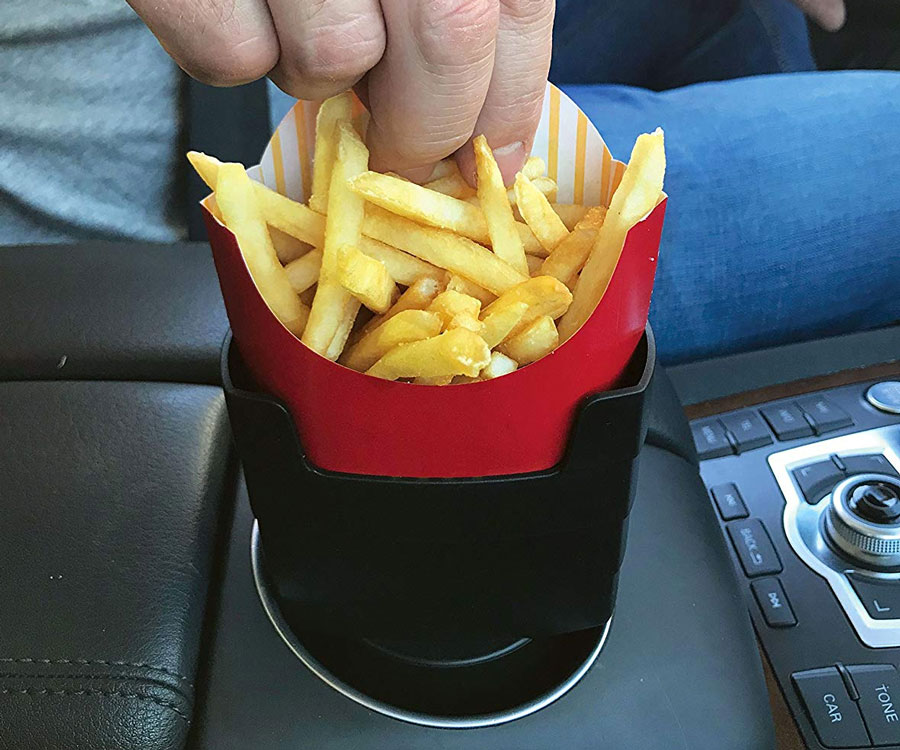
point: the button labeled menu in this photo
(729, 502)
(754, 547)
(748, 429)
(787, 421)
(710, 439)
(773, 602)
(833, 713)
(879, 700)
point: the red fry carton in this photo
(355, 423)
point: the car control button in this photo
(873, 463)
(817, 480)
(787, 421)
(825, 415)
(885, 396)
(833, 713)
(773, 603)
(748, 429)
(754, 547)
(729, 502)
(879, 700)
(881, 600)
(710, 439)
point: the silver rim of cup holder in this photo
(439, 722)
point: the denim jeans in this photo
(784, 214)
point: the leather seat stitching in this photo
(149, 681)
(100, 662)
(105, 693)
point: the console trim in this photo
(440, 722)
(884, 440)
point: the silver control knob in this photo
(863, 519)
(885, 396)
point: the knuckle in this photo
(529, 11)
(455, 32)
(235, 61)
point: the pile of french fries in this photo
(434, 284)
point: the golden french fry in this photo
(333, 111)
(534, 264)
(538, 214)
(464, 320)
(453, 184)
(534, 167)
(280, 213)
(454, 352)
(570, 255)
(443, 168)
(418, 297)
(499, 324)
(543, 295)
(495, 210)
(464, 286)
(545, 185)
(531, 244)
(443, 249)
(287, 247)
(366, 279)
(240, 210)
(404, 268)
(499, 365)
(404, 327)
(636, 196)
(303, 273)
(450, 304)
(331, 306)
(536, 341)
(345, 326)
(570, 213)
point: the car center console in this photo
(807, 492)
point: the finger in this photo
(428, 89)
(829, 14)
(512, 108)
(326, 45)
(219, 42)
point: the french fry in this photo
(443, 249)
(404, 327)
(336, 110)
(287, 247)
(530, 243)
(570, 213)
(543, 295)
(464, 320)
(499, 324)
(453, 184)
(545, 185)
(497, 214)
(454, 352)
(404, 268)
(450, 304)
(280, 213)
(303, 273)
(536, 341)
(361, 123)
(308, 296)
(418, 297)
(534, 264)
(538, 214)
(570, 255)
(331, 306)
(636, 196)
(443, 168)
(464, 286)
(499, 365)
(534, 167)
(240, 210)
(345, 326)
(366, 279)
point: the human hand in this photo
(829, 14)
(432, 72)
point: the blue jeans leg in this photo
(784, 217)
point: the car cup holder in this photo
(454, 603)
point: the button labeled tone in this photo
(879, 693)
(729, 501)
(754, 547)
(833, 713)
(773, 603)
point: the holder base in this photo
(480, 689)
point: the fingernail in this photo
(510, 159)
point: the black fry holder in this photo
(478, 559)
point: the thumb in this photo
(829, 14)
